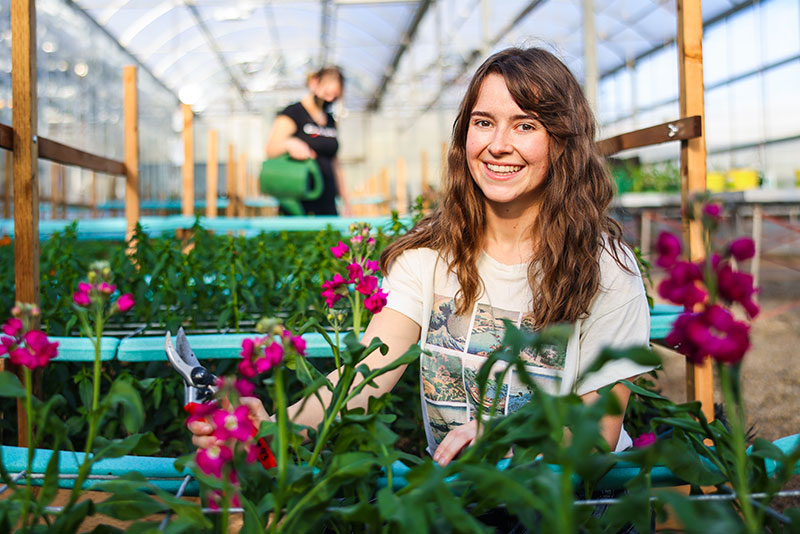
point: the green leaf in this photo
(10, 386)
(137, 444)
(130, 505)
(640, 355)
(123, 394)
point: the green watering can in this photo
(286, 179)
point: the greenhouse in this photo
(362, 266)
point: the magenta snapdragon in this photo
(27, 348)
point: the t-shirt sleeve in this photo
(403, 282)
(620, 319)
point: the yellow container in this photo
(797, 177)
(742, 179)
(715, 182)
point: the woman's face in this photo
(507, 147)
(328, 88)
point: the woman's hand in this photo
(203, 431)
(456, 441)
(298, 149)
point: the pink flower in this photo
(247, 369)
(668, 247)
(354, 272)
(199, 411)
(367, 285)
(13, 327)
(236, 425)
(125, 302)
(713, 210)
(81, 299)
(84, 287)
(337, 282)
(376, 301)
(106, 288)
(331, 297)
(211, 460)
(372, 266)
(735, 286)
(742, 248)
(648, 438)
(339, 250)
(43, 351)
(713, 332)
(299, 345)
(680, 286)
(7, 344)
(273, 354)
(247, 348)
(356, 240)
(22, 356)
(244, 387)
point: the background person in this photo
(307, 129)
(522, 233)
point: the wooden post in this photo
(241, 185)
(385, 191)
(646, 231)
(212, 175)
(699, 378)
(400, 188)
(231, 183)
(131, 140)
(26, 165)
(8, 184)
(187, 198)
(93, 196)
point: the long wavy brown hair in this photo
(572, 225)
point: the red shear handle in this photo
(265, 455)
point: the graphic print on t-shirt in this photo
(447, 329)
(488, 329)
(521, 393)
(441, 377)
(549, 356)
(483, 406)
(442, 418)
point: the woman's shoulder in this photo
(619, 267)
(293, 111)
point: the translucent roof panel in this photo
(232, 55)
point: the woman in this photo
(307, 129)
(521, 233)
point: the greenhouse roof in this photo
(399, 55)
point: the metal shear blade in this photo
(199, 380)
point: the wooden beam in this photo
(131, 140)
(187, 198)
(8, 183)
(678, 130)
(212, 175)
(55, 191)
(231, 182)
(64, 154)
(93, 195)
(26, 164)
(699, 378)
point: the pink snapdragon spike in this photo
(668, 248)
(125, 302)
(645, 440)
(299, 345)
(13, 327)
(36, 352)
(273, 354)
(742, 248)
(354, 272)
(714, 211)
(85, 287)
(367, 285)
(339, 250)
(737, 287)
(681, 286)
(236, 425)
(211, 460)
(81, 299)
(244, 387)
(376, 301)
(7, 344)
(372, 266)
(106, 288)
(713, 332)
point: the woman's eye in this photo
(526, 127)
(482, 123)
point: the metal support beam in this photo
(325, 33)
(212, 44)
(589, 54)
(407, 39)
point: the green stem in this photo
(301, 503)
(234, 293)
(357, 314)
(226, 503)
(566, 508)
(98, 334)
(739, 480)
(29, 434)
(336, 351)
(283, 438)
(342, 387)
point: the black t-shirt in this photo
(322, 140)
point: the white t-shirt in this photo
(421, 288)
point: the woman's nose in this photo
(500, 144)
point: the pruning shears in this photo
(200, 384)
(198, 381)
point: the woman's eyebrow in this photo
(518, 117)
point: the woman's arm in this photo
(393, 328)
(282, 141)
